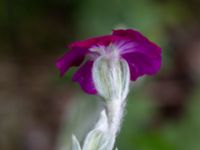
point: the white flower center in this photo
(109, 52)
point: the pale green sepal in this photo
(98, 140)
(92, 140)
(75, 143)
(102, 124)
(109, 144)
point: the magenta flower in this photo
(142, 56)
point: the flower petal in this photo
(142, 55)
(84, 77)
(141, 64)
(135, 42)
(73, 57)
(130, 34)
(101, 40)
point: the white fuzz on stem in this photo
(111, 79)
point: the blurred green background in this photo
(39, 110)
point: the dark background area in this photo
(39, 110)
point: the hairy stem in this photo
(114, 110)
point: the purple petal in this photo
(101, 40)
(130, 34)
(73, 57)
(142, 55)
(136, 42)
(141, 64)
(84, 77)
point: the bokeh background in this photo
(39, 110)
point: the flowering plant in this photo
(108, 63)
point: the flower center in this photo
(110, 52)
